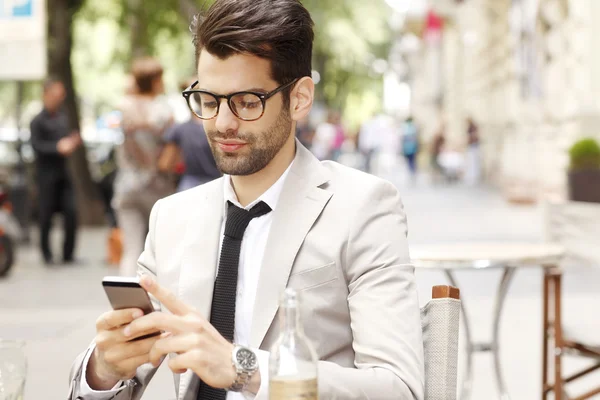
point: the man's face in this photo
(243, 147)
(54, 96)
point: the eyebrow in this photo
(254, 89)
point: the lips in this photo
(230, 146)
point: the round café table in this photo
(505, 256)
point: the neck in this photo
(250, 187)
(51, 110)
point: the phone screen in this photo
(125, 293)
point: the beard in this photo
(260, 149)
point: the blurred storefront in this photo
(525, 70)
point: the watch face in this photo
(246, 359)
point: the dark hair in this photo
(145, 70)
(277, 30)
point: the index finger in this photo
(117, 318)
(165, 296)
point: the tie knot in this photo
(238, 218)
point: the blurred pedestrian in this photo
(305, 132)
(139, 184)
(106, 184)
(437, 146)
(53, 142)
(340, 135)
(410, 145)
(473, 168)
(324, 139)
(189, 142)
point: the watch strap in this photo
(241, 381)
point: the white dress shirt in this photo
(251, 256)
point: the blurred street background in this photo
(484, 113)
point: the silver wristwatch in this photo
(245, 363)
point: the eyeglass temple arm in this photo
(191, 86)
(279, 89)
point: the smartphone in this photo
(126, 292)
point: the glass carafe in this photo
(13, 369)
(293, 360)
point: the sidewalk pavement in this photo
(55, 309)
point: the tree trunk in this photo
(60, 39)
(138, 29)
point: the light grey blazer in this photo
(339, 236)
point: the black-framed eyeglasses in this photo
(247, 105)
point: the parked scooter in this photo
(10, 231)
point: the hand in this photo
(76, 137)
(67, 145)
(198, 345)
(64, 146)
(115, 357)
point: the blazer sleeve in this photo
(384, 307)
(132, 389)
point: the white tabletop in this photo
(476, 255)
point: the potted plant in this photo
(584, 171)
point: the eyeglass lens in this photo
(244, 105)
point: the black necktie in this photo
(222, 314)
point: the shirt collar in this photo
(271, 196)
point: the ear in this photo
(301, 98)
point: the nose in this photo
(226, 120)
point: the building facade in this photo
(528, 72)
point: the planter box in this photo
(584, 185)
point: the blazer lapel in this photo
(300, 204)
(199, 263)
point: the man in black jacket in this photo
(53, 143)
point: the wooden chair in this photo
(440, 322)
(553, 331)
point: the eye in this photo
(208, 101)
(248, 104)
(247, 101)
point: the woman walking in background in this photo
(139, 184)
(473, 171)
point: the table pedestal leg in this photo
(465, 393)
(500, 298)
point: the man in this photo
(189, 140)
(335, 234)
(53, 143)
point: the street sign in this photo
(16, 8)
(22, 39)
